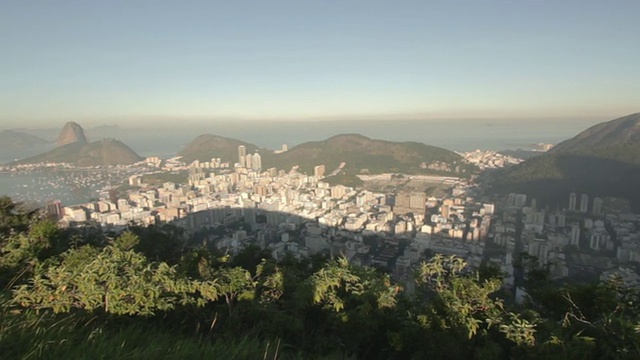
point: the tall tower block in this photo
(242, 153)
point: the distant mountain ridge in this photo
(359, 152)
(623, 131)
(75, 149)
(16, 144)
(97, 153)
(603, 160)
(16, 140)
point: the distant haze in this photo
(95, 62)
(166, 139)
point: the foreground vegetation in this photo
(146, 293)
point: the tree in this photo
(590, 321)
(356, 305)
(116, 281)
(13, 217)
(127, 241)
(250, 257)
(337, 282)
(464, 307)
(160, 242)
(21, 251)
(234, 284)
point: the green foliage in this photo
(19, 252)
(270, 286)
(164, 242)
(344, 179)
(25, 334)
(338, 282)
(250, 257)
(127, 241)
(235, 284)
(13, 218)
(146, 294)
(159, 178)
(113, 280)
(601, 317)
(465, 307)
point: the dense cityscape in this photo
(288, 212)
(347, 180)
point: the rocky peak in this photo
(71, 133)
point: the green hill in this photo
(15, 140)
(606, 138)
(360, 153)
(16, 145)
(103, 152)
(603, 160)
(208, 146)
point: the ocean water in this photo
(70, 187)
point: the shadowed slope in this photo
(603, 160)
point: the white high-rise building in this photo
(562, 220)
(596, 240)
(256, 162)
(318, 171)
(584, 203)
(520, 200)
(575, 235)
(242, 153)
(572, 202)
(248, 162)
(597, 206)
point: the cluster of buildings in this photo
(580, 241)
(293, 214)
(289, 213)
(489, 159)
(34, 167)
(249, 161)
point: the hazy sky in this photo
(301, 59)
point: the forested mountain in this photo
(603, 160)
(11, 140)
(208, 146)
(103, 152)
(360, 153)
(364, 154)
(73, 148)
(617, 139)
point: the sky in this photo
(144, 61)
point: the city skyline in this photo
(287, 60)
